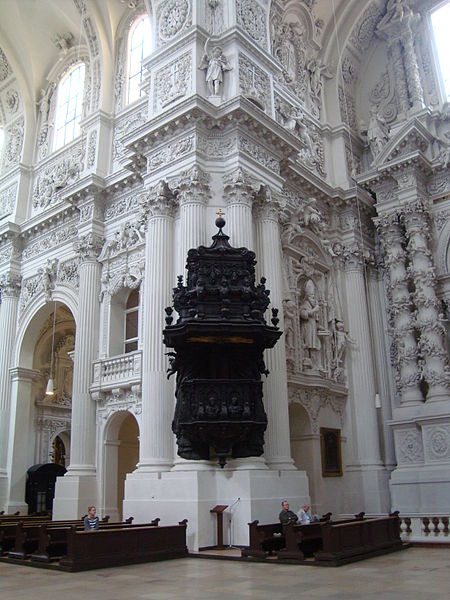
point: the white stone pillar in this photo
(402, 320)
(78, 488)
(156, 438)
(277, 442)
(238, 195)
(21, 436)
(193, 194)
(385, 386)
(10, 290)
(367, 484)
(362, 378)
(421, 269)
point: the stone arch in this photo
(119, 451)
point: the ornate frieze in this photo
(252, 17)
(8, 199)
(130, 235)
(124, 126)
(174, 81)
(50, 240)
(68, 273)
(30, 288)
(12, 101)
(260, 154)
(254, 83)
(124, 205)
(173, 17)
(119, 400)
(437, 443)
(92, 149)
(171, 152)
(5, 69)
(217, 146)
(314, 400)
(14, 142)
(364, 30)
(57, 175)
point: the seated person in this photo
(286, 516)
(91, 520)
(305, 515)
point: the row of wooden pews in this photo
(329, 543)
(65, 545)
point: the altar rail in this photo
(123, 370)
(433, 529)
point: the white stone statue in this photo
(396, 10)
(215, 64)
(309, 322)
(377, 132)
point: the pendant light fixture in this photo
(50, 390)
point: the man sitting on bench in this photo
(286, 516)
(305, 516)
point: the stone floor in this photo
(414, 573)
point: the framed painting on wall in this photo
(330, 446)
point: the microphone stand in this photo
(230, 546)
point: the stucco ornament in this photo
(174, 16)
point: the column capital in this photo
(89, 247)
(192, 186)
(268, 204)
(159, 201)
(239, 187)
(10, 284)
(356, 256)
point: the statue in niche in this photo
(215, 64)
(377, 132)
(309, 322)
(316, 71)
(339, 342)
(286, 52)
(289, 316)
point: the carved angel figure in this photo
(396, 10)
(215, 65)
(377, 132)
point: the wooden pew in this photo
(346, 542)
(305, 540)
(53, 541)
(120, 546)
(27, 534)
(264, 539)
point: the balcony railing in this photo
(124, 370)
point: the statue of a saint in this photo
(215, 65)
(309, 319)
(377, 132)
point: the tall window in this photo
(440, 20)
(69, 104)
(139, 48)
(132, 322)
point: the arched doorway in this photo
(121, 455)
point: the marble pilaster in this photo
(238, 195)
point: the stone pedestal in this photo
(173, 496)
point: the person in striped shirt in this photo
(91, 520)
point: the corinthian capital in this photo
(159, 202)
(239, 187)
(192, 186)
(10, 284)
(268, 204)
(89, 246)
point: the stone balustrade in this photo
(122, 371)
(430, 529)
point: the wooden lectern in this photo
(218, 510)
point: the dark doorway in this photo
(40, 489)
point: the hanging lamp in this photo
(50, 390)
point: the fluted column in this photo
(83, 432)
(362, 378)
(193, 194)
(401, 316)
(10, 290)
(431, 330)
(156, 440)
(238, 195)
(277, 446)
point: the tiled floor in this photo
(415, 573)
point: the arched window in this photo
(139, 45)
(69, 105)
(440, 21)
(132, 322)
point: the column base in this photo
(367, 489)
(437, 393)
(424, 490)
(250, 494)
(281, 463)
(73, 495)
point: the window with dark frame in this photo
(132, 322)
